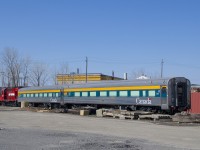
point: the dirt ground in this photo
(22, 130)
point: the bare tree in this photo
(39, 74)
(54, 77)
(64, 69)
(11, 62)
(26, 63)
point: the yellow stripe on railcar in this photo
(113, 88)
(39, 91)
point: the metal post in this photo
(86, 74)
(162, 62)
(113, 75)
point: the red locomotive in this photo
(8, 96)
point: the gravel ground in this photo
(25, 130)
(30, 139)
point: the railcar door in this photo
(181, 94)
(62, 96)
(163, 97)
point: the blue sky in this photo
(115, 35)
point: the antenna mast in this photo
(86, 74)
(162, 62)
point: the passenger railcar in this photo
(166, 94)
(47, 95)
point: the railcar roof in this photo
(109, 83)
(34, 88)
(119, 83)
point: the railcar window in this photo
(84, 93)
(135, 93)
(45, 94)
(144, 93)
(77, 94)
(113, 93)
(28, 95)
(163, 92)
(53, 94)
(50, 94)
(36, 94)
(41, 95)
(93, 93)
(157, 93)
(152, 93)
(103, 93)
(57, 95)
(180, 90)
(123, 93)
(71, 94)
(32, 95)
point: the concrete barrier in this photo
(84, 112)
(24, 104)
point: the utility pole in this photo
(113, 75)
(86, 67)
(162, 62)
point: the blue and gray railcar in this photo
(166, 94)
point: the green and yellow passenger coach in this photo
(166, 94)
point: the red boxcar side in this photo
(2, 94)
(195, 103)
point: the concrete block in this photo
(84, 112)
(99, 112)
(24, 104)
